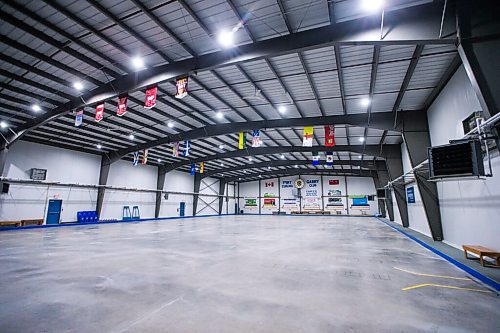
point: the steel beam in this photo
(388, 151)
(222, 188)
(479, 49)
(103, 181)
(294, 172)
(409, 27)
(381, 203)
(196, 190)
(417, 140)
(160, 183)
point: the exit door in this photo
(54, 211)
(182, 208)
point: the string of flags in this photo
(181, 91)
(142, 158)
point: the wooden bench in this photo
(482, 251)
(25, 223)
(10, 223)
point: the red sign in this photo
(150, 97)
(329, 136)
(333, 182)
(99, 112)
(122, 106)
(270, 184)
(269, 202)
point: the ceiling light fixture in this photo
(221, 147)
(250, 159)
(362, 139)
(219, 115)
(365, 102)
(36, 107)
(226, 38)
(296, 166)
(78, 85)
(170, 124)
(159, 160)
(98, 146)
(281, 109)
(3, 124)
(372, 6)
(282, 156)
(222, 164)
(138, 62)
(131, 137)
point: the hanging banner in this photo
(308, 136)
(187, 146)
(122, 106)
(193, 169)
(329, 136)
(150, 97)
(181, 87)
(315, 160)
(242, 141)
(144, 157)
(79, 118)
(256, 138)
(175, 149)
(202, 167)
(99, 112)
(329, 159)
(136, 158)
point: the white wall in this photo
(347, 186)
(470, 210)
(29, 202)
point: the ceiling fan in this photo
(257, 95)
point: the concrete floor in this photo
(233, 274)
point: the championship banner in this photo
(329, 136)
(202, 167)
(99, 112)
(308, 136)
(175, 149)
(315, 160)
(329, 159)
(242, 141)
(150, 97)
(136, 158)
(79, 118)
(193, 169)
(187, 146)
(181, 87)
(122, 106)
(144, 157)
(256, 138)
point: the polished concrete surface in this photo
(234, 274)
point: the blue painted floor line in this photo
(472, 272)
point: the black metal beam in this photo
(294, 172)
(160, 183)
(103, 180)
(222, 187)
(423, 24)
(380, 120)
(196, 190)
(279, 163)
(389, 151)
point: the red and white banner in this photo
(181, 87)
(122, 106)
(333, 182)
(150, 97)
(79, 118)
(329, 136)
(99, 112)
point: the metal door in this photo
(182, 208)
(54, 211)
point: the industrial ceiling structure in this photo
(273, 65)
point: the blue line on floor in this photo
(486, 280)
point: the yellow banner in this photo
(308, 136)
(242, 141)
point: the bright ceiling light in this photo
(219, 115)
(372, 5)
(221, 147)
(170, 124)
(131, 137)
(250, 159)
(281, 109)
(226, 38)
(138, 62)
(260, 176)
(362, 139)
(3, 124)
(78, 85)
(222, 164)
(36, 107)
(360, 156)
(365, 102)
(282, 156)
(98, 146)
(159, 160)
(269, 167)
(296, 166)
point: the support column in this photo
(222, 187)
(479, 49)
(103, 181)
(160, 183)
(3, 161)
(395, 169)
(196, 190)
(417, 140)
(383, 178)
(381, 203)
